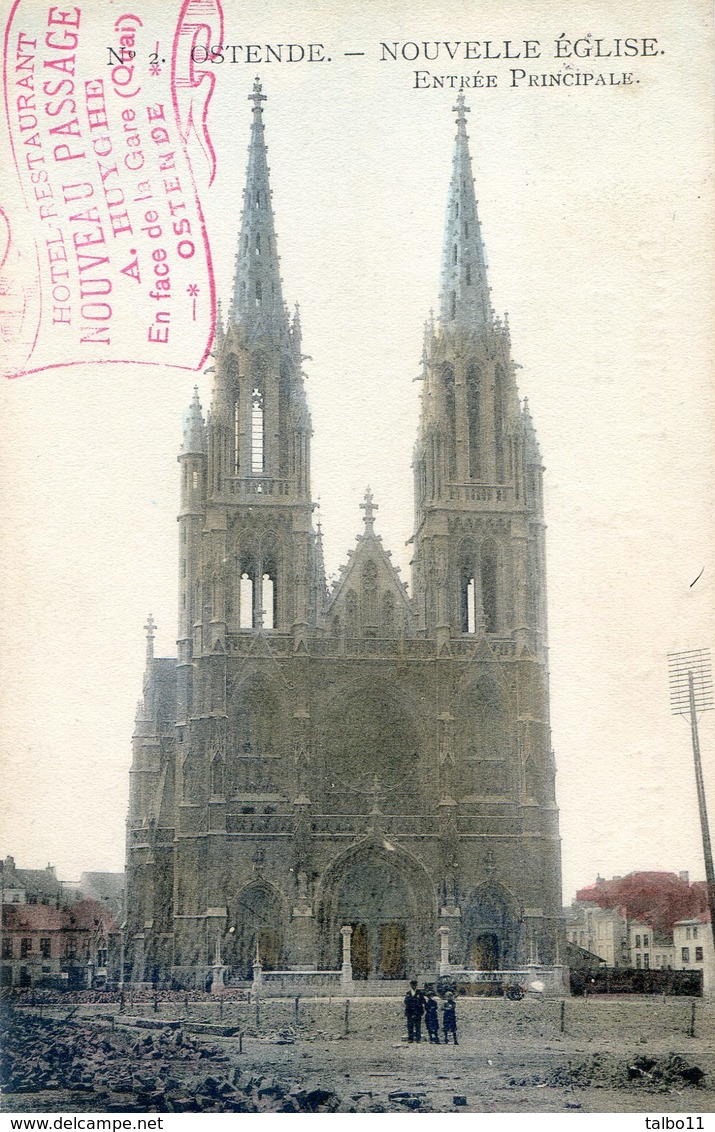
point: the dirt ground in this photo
(613, 1055)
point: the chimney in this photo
(684, 875)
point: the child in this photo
(449, 1018)
(432, 1018)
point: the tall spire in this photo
(257, 294)
(194, 429)
(464, 291)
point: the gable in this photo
(369, 600)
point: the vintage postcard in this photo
(357, 789)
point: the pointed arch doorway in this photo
(387, 899)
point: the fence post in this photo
(297, 1003)
(691, 1030)
(563, 1015)
(347, 1016)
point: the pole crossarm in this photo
(685, 668)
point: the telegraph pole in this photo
(691, 691)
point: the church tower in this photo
(479, 530)
(351, 781)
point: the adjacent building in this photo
(693, 948)
(350, 775)
(72, 947)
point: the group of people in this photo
(419, 1004)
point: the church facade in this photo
(359, 756)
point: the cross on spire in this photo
(257, 96)
(461, 110)
(369, 508)
(150, 627)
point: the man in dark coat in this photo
(414, 1009)
(432, 1018)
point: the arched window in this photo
(245, 617)
(233, 386)
(489, 585)
(369, 593)
(470, 598)
(257, 431)
(217, 777)
(499, 421)
(351, 613)
(450, 412)
(473, 422)
(388, 614)
(468, 591)
(268, 599)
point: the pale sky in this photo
(596, 208)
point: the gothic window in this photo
(369, 584)
(268, 599)
(488, 567)
(233, 386)
(258, 243)
(470, 597)
(454, 254)
(245, 616)
(485, 738)
(257, 430)
(336, 626)
(269, 581)
(499, 421)
(473, 411)
(468, 274)
(531, 779)
(450, 423)
(531, 592)
(217, 777)
(195, 480)
(351, 613)
(283, 411)
(388, 614)
(215, 599)
(466, 228)
(259, 293)
(453, 312)
(468, 592)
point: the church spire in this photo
(464, 291)
(257, 294)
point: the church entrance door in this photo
(485, 952)
(393, 951)
(361, 951)
(376, 901)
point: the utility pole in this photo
(691, 691)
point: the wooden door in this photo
(393, 951)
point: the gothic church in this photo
(359, 756)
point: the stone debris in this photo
(157, 1072)
(663, 1074)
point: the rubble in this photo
(662, 1074)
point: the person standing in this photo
(449, 1018)
(432, 1018)
(414, 1009)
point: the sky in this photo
(596, 207)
